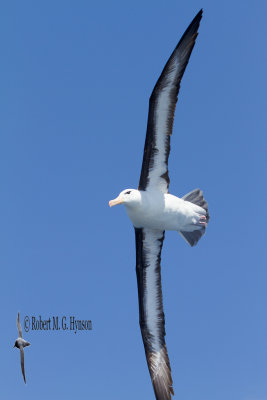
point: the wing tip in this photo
(198, 16)
(160, 372)
(194, 25)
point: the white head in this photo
(128, 197)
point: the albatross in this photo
(152, 210)
(20, 343)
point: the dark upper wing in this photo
(162, 103)
(151, 315)
(19, 326)
(22, 362)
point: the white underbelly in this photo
(166, 213)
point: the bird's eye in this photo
(128, 192)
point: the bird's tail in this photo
(196, 197)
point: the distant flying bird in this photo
(153, 210)
(20, 344)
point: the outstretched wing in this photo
(151, 315)
(162, 103)
(19, 326)
(22, 362)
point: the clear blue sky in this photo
(76, 77)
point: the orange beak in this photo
(116, 201)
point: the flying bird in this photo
(152, 210)
(20, 344)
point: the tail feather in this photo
(192, 237)
(196, 197)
